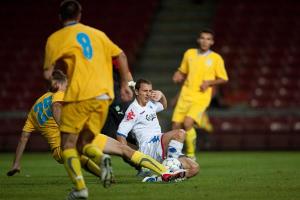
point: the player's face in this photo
(205, 41)
(143, 94)
(64, 85)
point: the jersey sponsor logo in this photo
(150, 117)
(130, 115)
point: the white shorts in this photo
(154, 148)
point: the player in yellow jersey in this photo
(200, 70)
(87, 56)
(42, 118)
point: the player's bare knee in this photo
(179, 135)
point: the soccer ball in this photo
(172, 164)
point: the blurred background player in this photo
(200, 70)
(87, 55)
(203, 129)
(141, 119)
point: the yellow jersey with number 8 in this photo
(87, 54)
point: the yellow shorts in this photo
(100, 141)
(185, 108)
(88, 114)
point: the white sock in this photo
(175, 149)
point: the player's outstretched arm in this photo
(16, 167)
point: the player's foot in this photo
(151, 179)
(13, 172)
(172, 176)
(106, 171)
(78, 194)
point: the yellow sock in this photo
(93, 152)
(90, 166)
(148, 162)
(190, 142)
(72, 165)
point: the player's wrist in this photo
(131, 84)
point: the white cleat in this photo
(151, 179)
(106, 171)
(78, 194)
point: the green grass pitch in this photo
(224, 175)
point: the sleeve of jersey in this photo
(220, 69)
(159, 107)
(184, 64)
(58, 96)
(114, 49)
(127, 123)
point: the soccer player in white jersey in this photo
(141, 119)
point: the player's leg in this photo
(114, 147)
(93, 124)
(191, 136)
(172, 142)
(191, 167)
(194, 115)
(73, 119)
(71, 160)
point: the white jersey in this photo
(142, 121)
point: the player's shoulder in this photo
(42, 97)
(191, 51)
(134, 106)
(215, 55)
(92, 29)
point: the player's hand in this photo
(205, 85)
(178, 77)
(126, 93)
(156, 95)
(13, 171)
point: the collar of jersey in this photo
(70, 23)
(205, 53)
